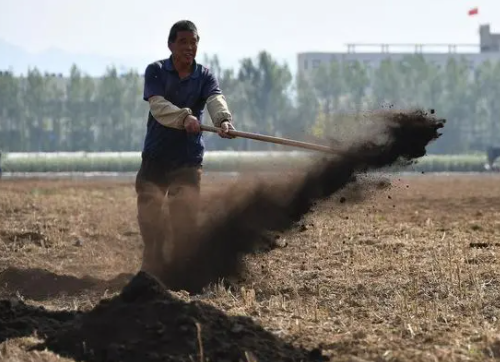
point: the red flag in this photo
(473, 11)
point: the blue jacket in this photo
(169, 146)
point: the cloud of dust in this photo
(259, 206)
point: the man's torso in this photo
(169, 145)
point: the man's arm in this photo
(216, 102)
(165, 112)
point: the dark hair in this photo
(182, 25)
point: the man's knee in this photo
(150, 198)
(185, 183)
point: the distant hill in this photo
(58, 61)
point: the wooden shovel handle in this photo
(271, 139)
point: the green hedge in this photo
(129, 162)
(449, 163)
(214, 161)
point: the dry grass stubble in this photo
(388, 279)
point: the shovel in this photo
(271, 139)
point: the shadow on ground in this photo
(41, 284)
(147, 323)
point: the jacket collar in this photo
(169, 65)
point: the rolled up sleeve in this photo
(216, 102)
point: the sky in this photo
(235, 29)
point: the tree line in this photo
(46, 112)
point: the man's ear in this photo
(170, 46)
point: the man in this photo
(177, 89)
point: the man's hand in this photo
(224, 129)
(191, 124)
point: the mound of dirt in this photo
(18, 319)
(252, 209)
(147, 323)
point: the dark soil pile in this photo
(252, 210)
(147, 323)
(18, 319)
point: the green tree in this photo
(328, 83)
(356, 81)
(112, 125)
(80, 112)
(487, 91)
(234, 91)
(416, 79)
(457, 106)
(54, 112)
(11, 130)
(135, 111)
(35, 101)
(47, 112)
(386, 83)
(306, 107)
(266, 87)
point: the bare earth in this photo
(410, 274)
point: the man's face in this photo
(185, 46)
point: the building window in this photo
(316, 63)
(305, 64)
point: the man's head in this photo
(183, 41)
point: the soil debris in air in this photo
(252, 209)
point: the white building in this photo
(487, 49)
